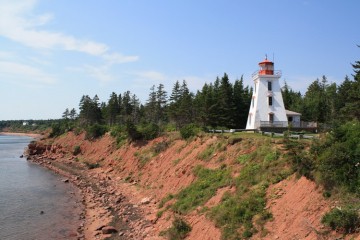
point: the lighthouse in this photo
(267, 105)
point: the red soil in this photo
(296, 205)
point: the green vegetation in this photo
(237, 212)
(344, 220)
(95, 131)
(77, 150)
(339, 158)
(92, 165)
(207, 154)
(199, 192)
(332, 161)
(179, 230)
(189, 131)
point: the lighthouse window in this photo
(270, 101)
(252, 102)
(269, 86)
(255, 88)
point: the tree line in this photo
(219, 104)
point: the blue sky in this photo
(53, 52)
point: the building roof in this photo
(291, 113)
(266, 61)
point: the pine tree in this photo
(161, 100)
(112, 109)
(66, 114)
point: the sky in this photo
(52, 52)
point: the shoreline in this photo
(104, 204)
(36, 136)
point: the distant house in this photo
(293, 118)
(25, 123)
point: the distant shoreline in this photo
(33, 135)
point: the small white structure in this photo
(293, 118)
(267, 105)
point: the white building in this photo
(267, 105)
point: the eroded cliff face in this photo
(152, 170)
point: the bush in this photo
(119, 134)
(160, 147)
(95, 131)
(339, 158)
(189, 130)
(92, 165)
(302, 163)
(132, 132)
(77, 150)
(346, 220)
(179, 230)
(57, 129)
(149, 131)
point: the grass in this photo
(179, 230)
(242, 213)
(207, 154)
(211, 149)
(236, 213)
(200, 191)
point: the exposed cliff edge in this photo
(135, 186)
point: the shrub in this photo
(189, 130)
(233, 140)
(119, 134)
(132, 132)
(345, 220)
(179, 230)
(57, 129)
(302, 163)
(160, 147)
(236, 210)
(92, 165)
(95, 131)
(77, 150)
(150, 131)
(339, 158)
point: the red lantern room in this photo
(266, 67)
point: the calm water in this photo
(27, 189)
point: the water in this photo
(27, 190)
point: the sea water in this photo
(34, 202)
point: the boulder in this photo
(108, 230)
(145, 200)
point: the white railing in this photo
(277, 73)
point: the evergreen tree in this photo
(112, 109)
(152, 106)
(292, 99)
(242, 98)
(161, 98)
(73, 114)
(66, 114)
(351, 108)
(226, 103)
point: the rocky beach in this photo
(108, 211)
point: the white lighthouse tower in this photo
(267, 105)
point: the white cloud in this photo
(21, 72)
(114, 58)
(18, 23)
(6, 55)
